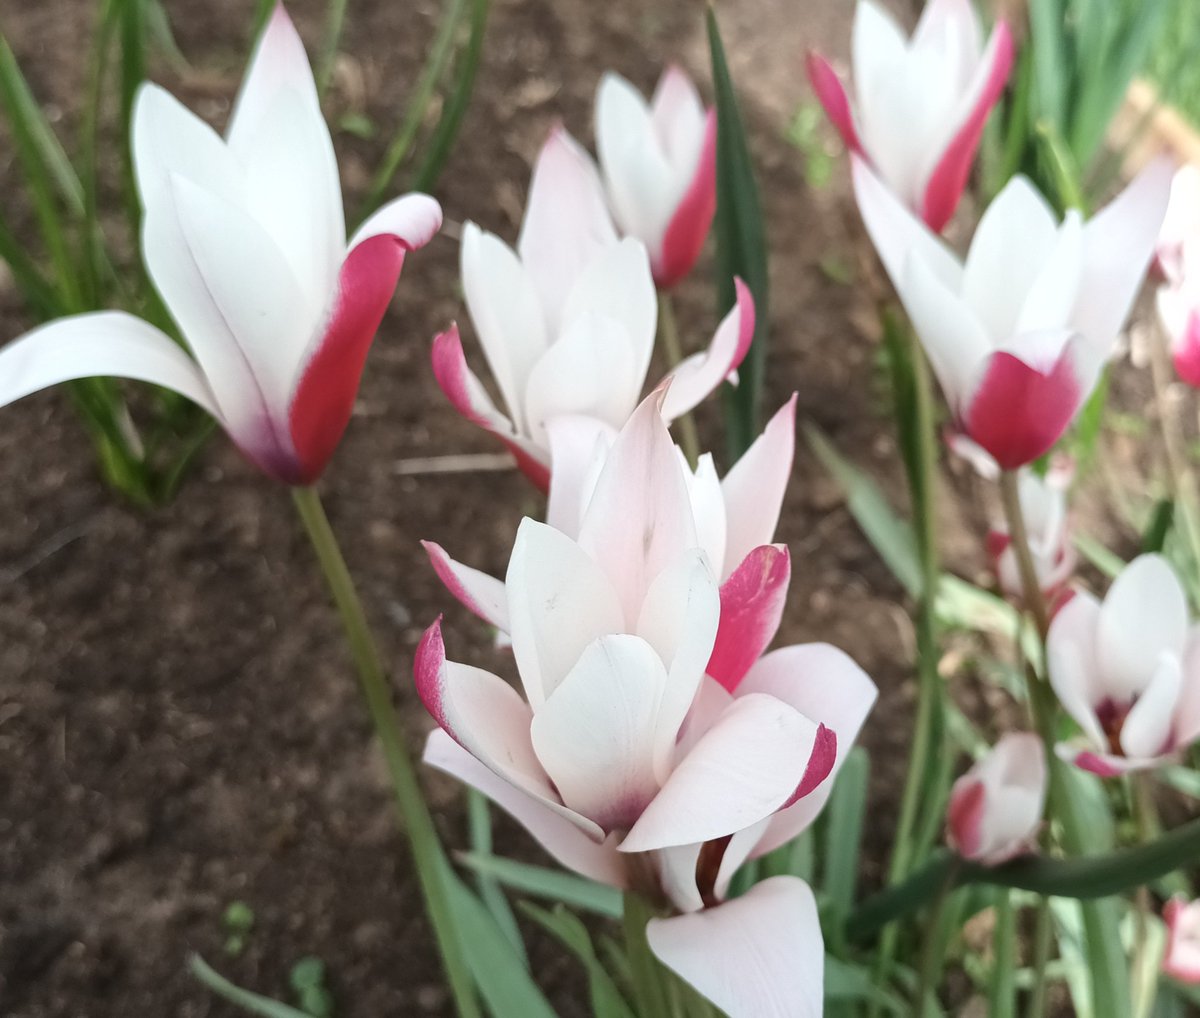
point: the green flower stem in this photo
(920, 785)
(932, 956)
(668, 334)
(1096, 876)
(433, 870)
(1042, 938)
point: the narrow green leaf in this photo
(843, 833)
(1002, 1001)
(1109, 563)
(335, 20)
(741, 246)
(505, 986)
(38, 294)
(525, 878)
(441, 141)
(845, 982)
(1154, 537)
(606, 999)
(418, 105)
(891, 536)
(479, 821)
(1050, 61)
(254, 1003)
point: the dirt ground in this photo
(179, 724)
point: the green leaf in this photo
(1002, 987)
(578, 892)
(254, 1003)
(843, 834)
(441, 141)
(845, 982)
(1154, 537)
(1052, 66)
(741, 246)
(891, 536)
(479, 820)
(606, 999)
(504, 984)
(418, 105)
(1109, 563)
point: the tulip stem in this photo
(668, 334)
(651, 996)
(433, 870)
(1043, 935)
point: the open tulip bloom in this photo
(244, 239)
(627, 757)
(1018, 333)
(1128, 670)
(995, 809)
(567, 321)
(920, 104)
(659, 163)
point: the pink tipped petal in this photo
(640, 517)
(949, 177)
(758, 956)
(598, 733)
(325, 392)
(1185, 352)
(1103, 765)
(1018, 412)
(1182, 960)
(697, 376)
(752, 601)
(556, 834)
(820, 765)
(754, 487)
(831, 94)
(749, 764)
(964, 816)
(684, 237)
(470, 399)
(413, 220)
(482, 594)
(559, 601)
(110, 343)
(822, 683)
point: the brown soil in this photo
(179, 724)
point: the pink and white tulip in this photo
(1179, 265)
(567, 321)
(627, 761)
(996, 808)
(1128, 670)
(659, 167)
(1018, 333)
(1048, 524)
(1182, 960)
(245, 240)
(921, 103)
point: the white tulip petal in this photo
(507, 314)
(708, 508)
(599, 732)
(578, 447)
(559, 601)
(1073, 665)
(558, 835)
(110, 343)
(1144, 615)
(1148, 728)
(758, 956)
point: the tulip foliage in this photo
(690, 771)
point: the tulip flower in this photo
(920, 104)
(659, 163)
(995, 809)
(1128, 670)
(1044, 508)
(1018, 333)
(1182, 960)
(567, 321)
(245, 241)
(624, 759)
(1179, 265)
